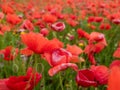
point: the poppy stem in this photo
(61, 84)
(96, 88)
(54, 34)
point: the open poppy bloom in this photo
(75, 51)
(13, 19)
(72, 22)
(27, 24)
(91, 48)
(3, 85)
(27, 82)
(101, 74)
(49, 18)
(59, 60)
(114, 79)
(7, 53)
(52, 45)
(34, 41)
(98, 37)
(58, 26)
(6, 8)
(83, 34)
(39, 44)
(85, 78)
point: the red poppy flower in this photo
(57, 57)
(98, 47)
(91, 19)
(7, 9)
(34, 41)
(83, 34)
(5, 28)
(49, 18)
(3, 86)
(105, 26)
(85, 78)
(117, 53)
(72, 22)
(26, 52)
(115, 63)
(27, 82)
(36, 15)
(13, 19)
(44, 31)
(1, 15)
(7, 53)
(40, 23)
(27, 24)
(91, 58)
(98, 37)
(98, 19)
(114, 79)
(59, 60)
(116, 21)
(52, 45)
(75, 51)
(58, 26)
(101, 74)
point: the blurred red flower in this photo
(13, 19)
(58, 26)
(59, 60)
(27, 24)
(26, 52)
(85, 78)
(114, 79)
(1, 15)
(101, 74)
(117, 53)
(34, 41)
(8, 53)
(115, 63)
(105, 26)
(83, 34)
(49, 18)
(6, 8)
(27, 82)
(44, 31)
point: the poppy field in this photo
(59, 45)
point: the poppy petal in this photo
(61, 67)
